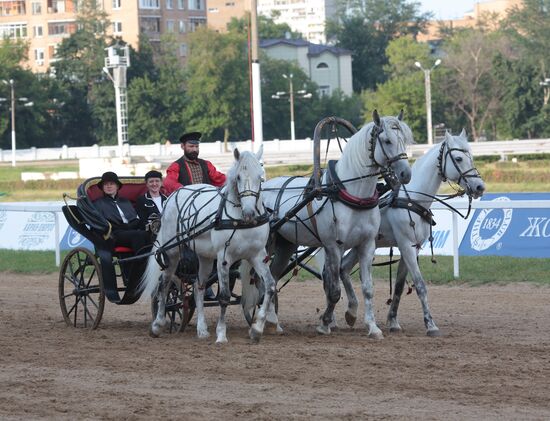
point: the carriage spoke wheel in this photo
(81, 294)
(180, 306)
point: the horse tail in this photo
(149, 282)
(250, 295)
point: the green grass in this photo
(17, 261)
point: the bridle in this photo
(445, 151)
(374, 140)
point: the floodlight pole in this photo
(118, 59)
(257, 129)
(428, 89)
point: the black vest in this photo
(184, 178)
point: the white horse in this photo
(228, 225)
(409, 226)
(347, 217)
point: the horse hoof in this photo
(376, 335)
(154, 333)
(221, 341)
(396, 330)
(203, 335)
(254, 335)
(435, 333)
(350, 319)
(323, 330)
(273, 328)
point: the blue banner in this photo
(73, 239)
(509, 232)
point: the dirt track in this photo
(493, 362)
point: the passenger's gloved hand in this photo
(153, 226)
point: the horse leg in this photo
(366, 254)
(402, 272)
(422, 292)
(348, 262)
(331, 285)
(283, 250)
(205, 266)
(263, 272)
(224, 296)
(162, 292)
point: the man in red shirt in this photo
(190, 169)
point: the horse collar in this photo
(338, 191)
(232, 223)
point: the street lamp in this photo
(291, 94)
(427, 87)
(26, 104)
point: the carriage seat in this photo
(123, 249)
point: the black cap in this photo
(109, 176)
(153, 174)
(191, 137)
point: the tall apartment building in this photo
(305, 16)
(44, 23)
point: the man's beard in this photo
(191, 155)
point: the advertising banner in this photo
(442, 232)
(509, 232)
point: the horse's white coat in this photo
(193, 208)
(396, 230)
(340, 227)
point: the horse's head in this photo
(388, 142)
(245, 178)
(457, 164)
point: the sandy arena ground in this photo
(493, 361)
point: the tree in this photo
(217, 84)
(156, 105)
(471, 83)
(366, 27)
(267, 28)
(404, 90)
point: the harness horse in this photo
(228, 225)
(344, 213)
(407, 221)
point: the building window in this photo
(196, 4)
(149, 4)
(322, 66)
(38, 31)
(52, 52)
(183, 50)
(170, 26)
(13, 30)
(213, 10)
(117, 4)
(61, 28)
(39, 56)
(117, 27)
(36, 8)
(150, 24)
(324, 90)
(230, 4)
(169, 4)
(181, 27)
(181, 4)
(195, 23)
(12, 8)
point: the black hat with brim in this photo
(191, 137)
(109, 176)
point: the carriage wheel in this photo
(81, 294)
(180, 306)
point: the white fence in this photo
(302, 148)
(55, 209)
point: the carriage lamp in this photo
(427, 87)
(26, 103)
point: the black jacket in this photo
(108, 207)
(146, 208)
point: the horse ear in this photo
(400, 116)
(463, 134)
(236, 154)
(448, 135)
(260, 152)
(376, 117)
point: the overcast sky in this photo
(447, 9)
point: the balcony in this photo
(12, 8)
